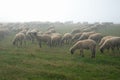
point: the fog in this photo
(60, 10)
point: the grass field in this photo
(34, 63)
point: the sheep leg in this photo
(93, 53)
(48, 42)
(118, 48)
(53, 43)
(56, 43)
(17, 43)
(81, 53)
(39, 44)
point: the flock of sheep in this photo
(81, 39)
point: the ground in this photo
(33, 63)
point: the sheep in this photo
(96, 37)
(52, 30)
(67, 38)
(39, 33)
(74, 31)
(110, 43)
(32, 34)
(103, 39)
(56, 39)
(87, 29)
(76, 36)
(23, 31)
(51, 27)
(19, 39)
(85, 35)
(43, 38)
(48, 32)
(84, 44)
(28, 35)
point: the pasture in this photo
(33, 63)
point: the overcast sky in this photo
(60, 10)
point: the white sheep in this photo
(43, 38)
(51, 27)
(50, 31)
(110, 43)
(84, 44)
(85, 35)
(96, 37)
(19, 39)
(56, 39)
(23, 31)
(31, 34)
(74, 31)
(28, 36)
(67, 37)
(76, 36)
(103, 39)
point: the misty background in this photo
(60, 10)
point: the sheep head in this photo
(13, 42)
(71, 50)
(101, 50)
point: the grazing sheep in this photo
(43, 38)
(23, 31)
(39, 40)
(110, 43)
(84, 44)
(51, 27)
(103, 39)
(28, 35)
(48, 32)
(76, 36)
(85, 35)
(56, 39)
(52, 30)
(67, 38)
(32, 35)
(19, 39)
(74, 31)
(39, 33)
(96, 37)
(87, 29)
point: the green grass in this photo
(34, 63)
